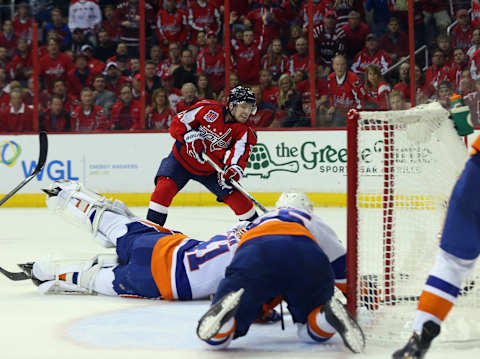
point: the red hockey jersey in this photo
(344, 94)
(208, 117)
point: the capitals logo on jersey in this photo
(211, 116)
(217, 141)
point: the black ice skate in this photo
(339, 318)
(211, 322)
(418, 345)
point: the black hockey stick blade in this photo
(14, 275)
(42, 158)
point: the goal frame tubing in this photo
(388, 204)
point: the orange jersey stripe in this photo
(476, 145)
(276, 228)
(433, 304)
(312, 323)
(342, 287)
(161, 263)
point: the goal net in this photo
(402, 166)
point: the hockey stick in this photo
(235, 183)
(42, 158)
(14, 275)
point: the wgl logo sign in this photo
(55, 170)
(10, 151)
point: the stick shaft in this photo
(234, 183)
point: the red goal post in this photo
(401, 168)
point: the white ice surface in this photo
(79, 326)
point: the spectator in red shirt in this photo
(55, 119)
(299, 60)
(174, 95)
(343, 90)
(96, 66)
(462, 32)
(371, 55)
(460, 64)
(160, 114)
(375, 89)
(190, 98)
(8, 38)
(113, 78)
(269, 91)
(437, 72)
(125, 113)
(55, 65)
(88, 116)
(274, 60)
(17, 117)
(60, 89)
(247, 55)
(20, 68)
(475, 42)
(443, 43)
(211, 62)
(23, 23)
(266, 20)
(394, 41)
(202, 16)
(173, 59)
(265, 114)
(80, 76)
(321, 97)
(109, 25)
(171, 25)
(355, 33)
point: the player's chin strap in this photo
(235, 184)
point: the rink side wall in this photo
(122, 165)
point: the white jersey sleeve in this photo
(205, 263)
(326, 238)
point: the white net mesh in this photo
(408, 164)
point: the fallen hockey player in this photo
(288, 253)
(150, 261)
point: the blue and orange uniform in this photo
(156, 262)
(459, 246)
(266, 265)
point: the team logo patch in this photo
(211, 116)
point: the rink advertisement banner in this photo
(313, 161)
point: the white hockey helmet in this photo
(295, 199)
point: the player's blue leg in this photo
(459, 249)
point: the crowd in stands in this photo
(89, 67)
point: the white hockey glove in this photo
(195, 145)
(230, 172)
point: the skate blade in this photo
(212, 321)
(351, 332)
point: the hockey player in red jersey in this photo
(213, 128)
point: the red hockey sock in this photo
(241, 205)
